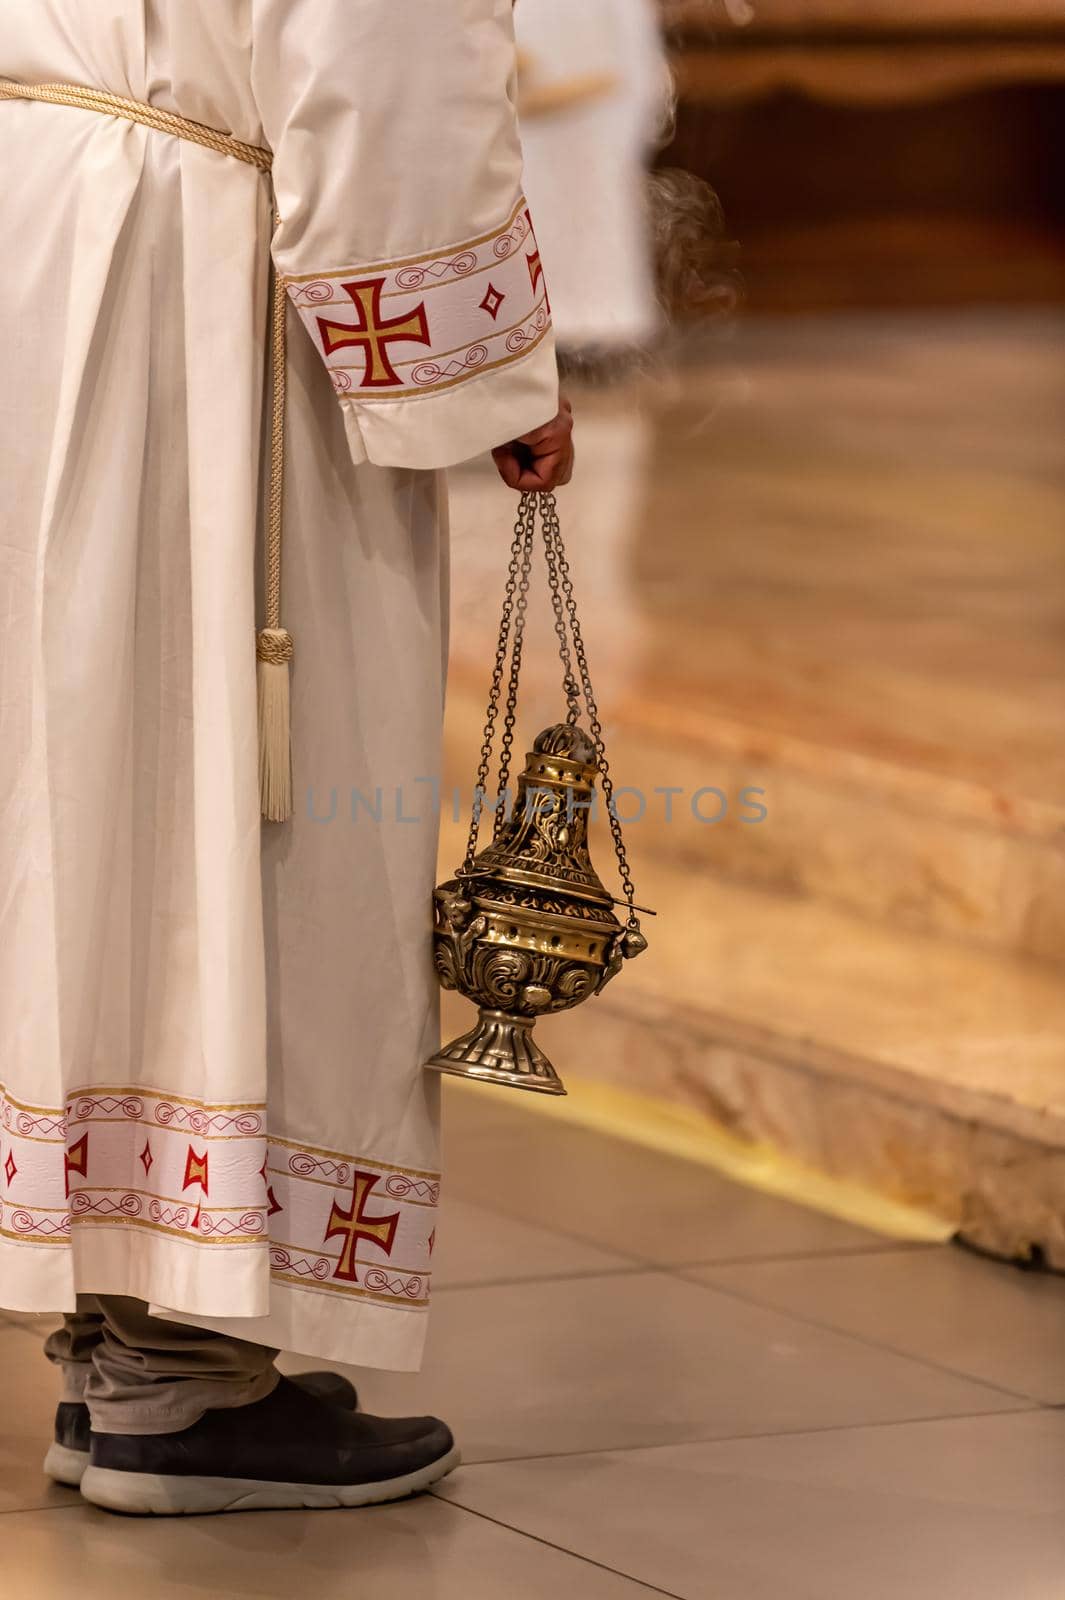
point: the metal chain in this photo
(520, 610)
(511, 638)
(553, 543)
(570, 687)
(522, 531)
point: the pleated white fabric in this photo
(211, 1030)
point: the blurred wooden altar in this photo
(880, 152)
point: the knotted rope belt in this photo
(274, 644)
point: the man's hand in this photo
(542, 459)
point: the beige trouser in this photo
(142, 1374)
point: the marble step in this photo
(929, 1072)
(917, 850)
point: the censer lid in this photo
(566, 739)
(545, 841)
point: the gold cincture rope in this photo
(274, 645)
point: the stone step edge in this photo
(680, 1131)
(956, 1175)
(807, 1054)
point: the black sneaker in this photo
(291, 1449)
(68, 1454)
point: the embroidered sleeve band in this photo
(404, 329)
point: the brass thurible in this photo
(526, 928)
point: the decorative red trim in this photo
(449, 304)
(68, 1168)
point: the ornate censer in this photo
(526, 928)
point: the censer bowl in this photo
(515, 965)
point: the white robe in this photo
(211, 1032)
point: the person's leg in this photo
(144, 1375)
(71, 1347)
(184, 1420)
(152, 1376)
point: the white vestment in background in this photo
(211, 1093)
(586, 159)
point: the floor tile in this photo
(976, 1317)
(475, 1245)
(418, 1548)
(27, 1412)
(621, 1196)
(646, 1358)
(967, 1509)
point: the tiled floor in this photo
(662, 1384)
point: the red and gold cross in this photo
(373, 333)
(353, 1225)
(195, 1169)
(534, 261)
(76, 1161)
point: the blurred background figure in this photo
(595, 98)
(594, 93)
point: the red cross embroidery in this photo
(354, 1225)
(533, 260)
(76, 1160)
(195, 1171)
(373, 333)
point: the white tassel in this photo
(275, 739)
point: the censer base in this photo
(500, 1049)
